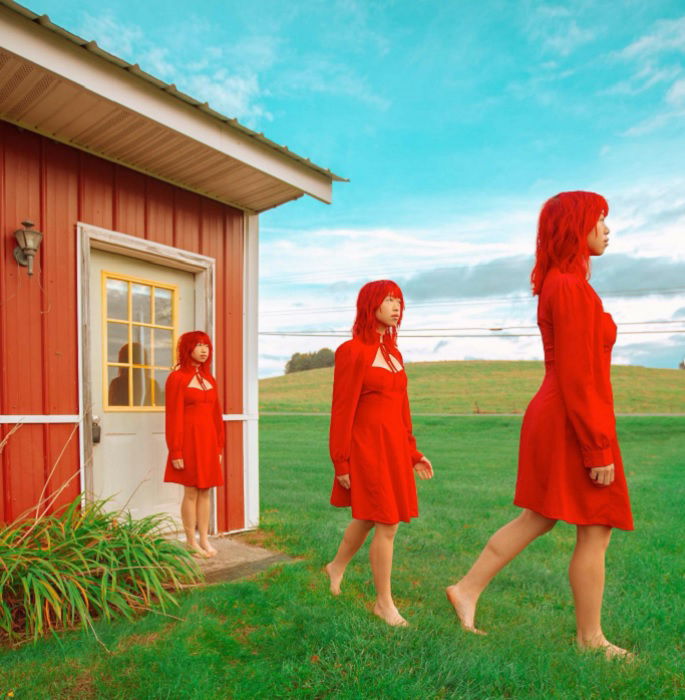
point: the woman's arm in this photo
(219, 419)
(416, 456)
(174, 387)
(577, 357)
(348, 377)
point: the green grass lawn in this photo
(282, 635)
(479, 387)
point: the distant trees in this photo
(301, 361)
(682, 364)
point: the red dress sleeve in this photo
(348, 377)
(578, 346)
(416, 456)
(219, 419)
(174, 401)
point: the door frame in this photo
(204, 270)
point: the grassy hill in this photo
(479, 387)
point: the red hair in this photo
(565, 222)
(186, 345)
(370, 297)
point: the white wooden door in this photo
(137, 311)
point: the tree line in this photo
(301, 361)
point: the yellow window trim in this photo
(129, 279)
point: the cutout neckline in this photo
(199, 387)
(395, 370)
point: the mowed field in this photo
(281, 634)
(471, 387)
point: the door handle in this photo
(96, 430)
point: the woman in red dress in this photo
(570, 464)
(371, 443)
(195, 436)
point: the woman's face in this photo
(598, 238)
(200, 353)
(388, 313)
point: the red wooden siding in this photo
(55, 186)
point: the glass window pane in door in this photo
(163, 347)
(117, 342)
(142, 390)
(140, 347)
(160, 383)
(117, 386)
(141, 303)
(117, 299)
(163, 315)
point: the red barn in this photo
(148, 203)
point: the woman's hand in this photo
(344, 480)
(424, 468)
(177, 464)
(602, 476)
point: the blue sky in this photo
(454, 121)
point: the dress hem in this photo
(376, 520)
(571, 522)
(195, 486)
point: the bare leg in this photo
(203, 505)
(352, 540)
(189, 518)
(502, 547)
(380, 554)
(586, 574)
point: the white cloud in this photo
(654, 123)
(237, 94)
(554, 29)
(319, 74)
(654, 53)
(676, 93)
(648, 76)
(665, 36)
(124, 40)
(231, 94)
(568, 39)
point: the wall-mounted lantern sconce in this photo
(29, 242)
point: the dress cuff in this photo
(342, 466)
(416, 457)
(598, 458)
(175, 454)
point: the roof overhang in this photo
(70, 90)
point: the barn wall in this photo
(55, 186)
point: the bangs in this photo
(201, 337)
(391, 289)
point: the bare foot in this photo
(197, 551)
(335, 577)
(390, 614)
(464, 606)
(611, 651)
(208, 549)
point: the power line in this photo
(471, 302)
(487, 328)
(339, 334)
(405, 331)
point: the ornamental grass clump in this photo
(65, 570)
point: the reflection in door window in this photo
(140, 332)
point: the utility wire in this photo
(339, 334)
(484, 328)
(472, 302)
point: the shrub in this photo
(64, 570)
